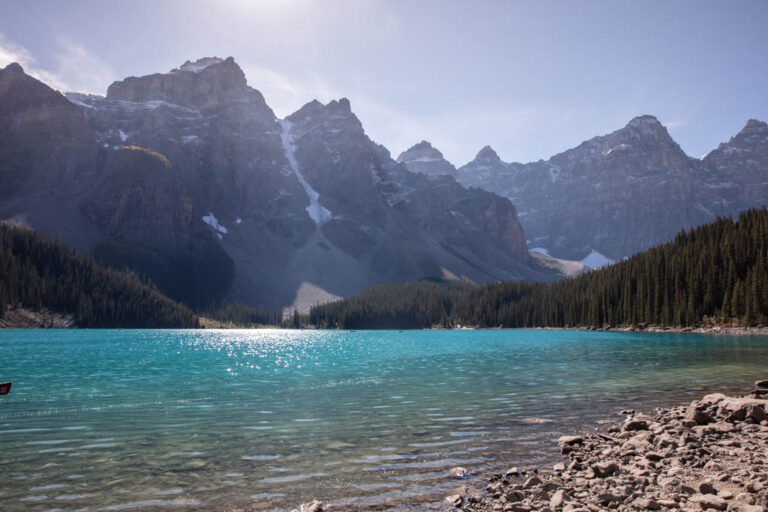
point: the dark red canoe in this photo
(5, 388)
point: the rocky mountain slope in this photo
(621, 193)
(189, 178)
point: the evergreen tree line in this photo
(716, 273)
(36, 272)
(239, 314)
(428, 303)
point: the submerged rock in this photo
(710, 455)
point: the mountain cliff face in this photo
(621, 193)
(189, 178)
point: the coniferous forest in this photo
(36, 272)
(394, 306)
(712, 274)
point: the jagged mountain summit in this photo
(425, 159)
(618, 194)
(189, 178)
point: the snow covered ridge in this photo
(198, 65)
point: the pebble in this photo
(674, 460)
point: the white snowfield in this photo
(316, 211)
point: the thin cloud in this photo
(11, 52)
(82, 70)
(76, 69)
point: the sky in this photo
(529, 78)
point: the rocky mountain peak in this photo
(199, 65)
(336, 115)
(422, 151)
(340, 107)
(12, 69)
(646, 126)
(12, 74)
(754, 127)
(207, 82)
(746, 147)
(425, 159)
(487, 155)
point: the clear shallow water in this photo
(122, 420)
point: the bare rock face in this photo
(44, 139)
(207, 82)
(194, 182)
(624, 192)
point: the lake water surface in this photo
(124, 420)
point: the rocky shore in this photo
(717, 329)
(710, 455)
(22, 318)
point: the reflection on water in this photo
(123, 420)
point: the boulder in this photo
(698, 416)
(706, 501)
(532, 482)
(570, 440)
(639, 422)
(459, 472)
(558, 499)
(646, 504)
(743, 409)
(605, 469)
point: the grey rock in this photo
(532, 482)
(584, 198)
(706, 501)
(743, 507)
(698, 416)
(605, 469)
(639, 422)
(558, 499)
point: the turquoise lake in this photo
(177, 420)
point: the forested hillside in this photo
(716, 273)
(36, 272)
(393, 306)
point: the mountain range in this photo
(189, 179)
(618, 194)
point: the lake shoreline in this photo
(688, 457)
(726, 331)
(711, 454)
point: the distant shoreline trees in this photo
(716, 273)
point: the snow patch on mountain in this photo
(198, 65)
(213, 222)
(596, 260)
(316, 211)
